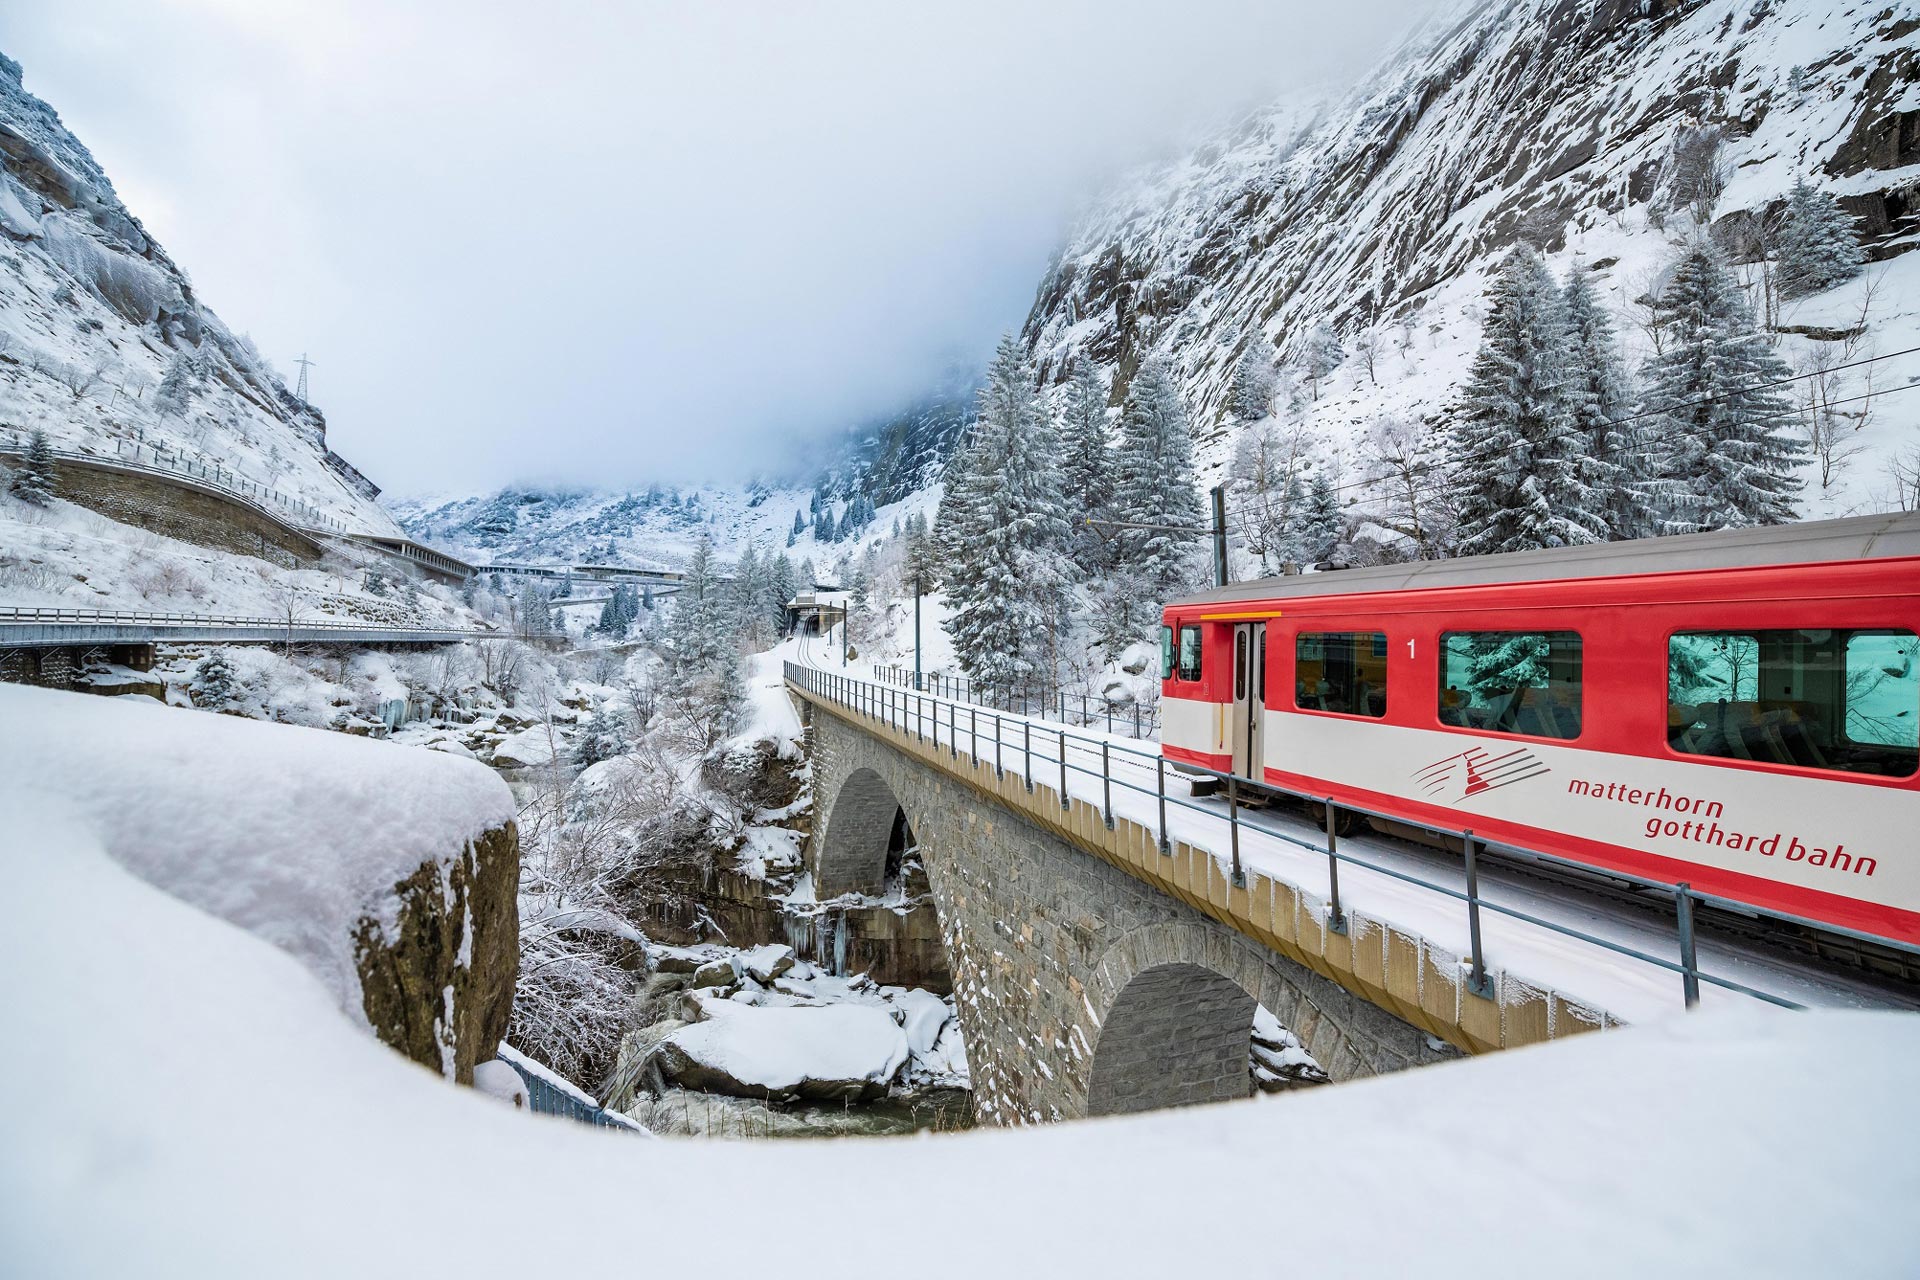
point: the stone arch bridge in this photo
(1095, 974)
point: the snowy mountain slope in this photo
(1556, 121)
(893, 462)
(94, 316)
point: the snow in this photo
(292, 834)
(1771, 1146)
(778, 1048)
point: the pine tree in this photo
(1723, 458)
(782, 585)
(1614, 464)
(214, 684)
(921, 557)
(1086, 466)
(1516, 446)
(699, 631)
(175, 391)
(1156, 486)
(799, 526)
(1320, 528)
(748, 592)
(603, 738)
(1323, 354)
(1251, 397)
(1003, 534)
(1819, 242)
(33, 477)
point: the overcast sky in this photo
(603, 243)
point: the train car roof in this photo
(1810, 542)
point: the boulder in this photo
(716, 973)
(675, 960)
(765, 963)
(527, 748)
(838, 1053)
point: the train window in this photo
(1166, 653)
(1189, 653)
(1816, 699)
(1342, 671)
(1511, 682)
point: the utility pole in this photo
(301, 390)
(1220, 535)
(916, 629)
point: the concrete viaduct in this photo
(1095, 974)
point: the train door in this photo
(1249, 697)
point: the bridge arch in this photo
(861, 822)
(1178, 1022)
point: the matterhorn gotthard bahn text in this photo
(1264, 577)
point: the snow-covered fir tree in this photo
(1614, 464)
(1819, 242)
(1720, 432)
(1155, 486)
(700, 631)
(1003, 535)
(1086, 465)
(1320, 529)
(1517, 449)
(214, 684)
(175, 391)
(33, 474)
(920, 558)
(1321, 356)
(1251, 396)
(782, 585)
(603, 738)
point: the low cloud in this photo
(670, 241)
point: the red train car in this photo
(1739, 710)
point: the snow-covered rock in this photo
(834, 1052)
(525, 749)
(767, 962)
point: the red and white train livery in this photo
(1739, 710)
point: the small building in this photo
(818, 611)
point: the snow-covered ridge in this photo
(103, 340)
(1382, 214)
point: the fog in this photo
(606, 244)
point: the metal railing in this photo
(544, 1097)
(1068, 708)
(139, 618)
(277, 506)
(909, 711)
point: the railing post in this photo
(973, 735)
(1336, 918)
(1106, 783)
(936, 728)
(1026, 748)
(953, 730)
(1233, 826)
(1160, 776)
(998, 772)
(919, 720)
(1064, 802)
(1477, 980)
(1689, 965)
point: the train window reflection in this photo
(1511, 682)
(1816, 699)
(1341, 671)
(1189, 653)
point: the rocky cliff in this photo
(104, 342)
(1599, 131)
